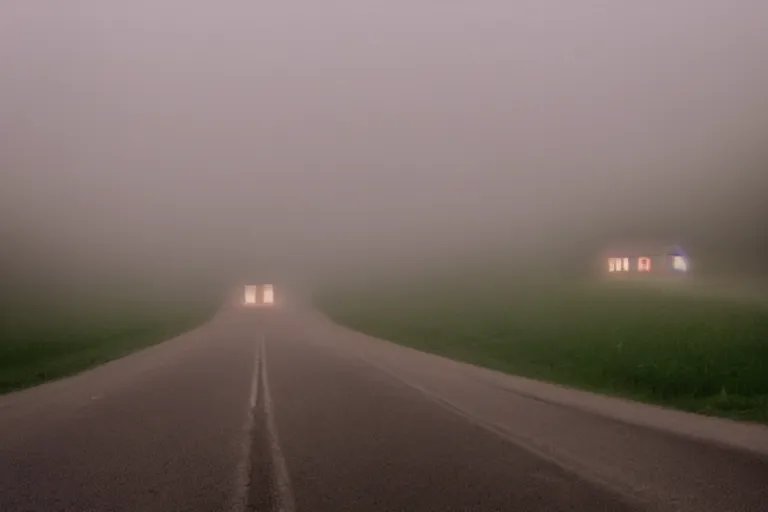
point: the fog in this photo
(227, 138)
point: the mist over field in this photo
(206, 141)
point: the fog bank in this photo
(191, 139)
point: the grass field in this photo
(701, 354)
(44, 340)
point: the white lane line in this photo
(284, 492)
(532, 446)
(243, 472)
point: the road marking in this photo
(537, 448)
(284, 493)
(243, 472)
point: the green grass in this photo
(45, 340)
(698, 354)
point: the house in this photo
(259, 295)
(645, 260)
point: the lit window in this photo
(679, 263)
(644, 264)
(250, 294)
(269, 294)
(618, 264)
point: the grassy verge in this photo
(48, 340)
(699, 354)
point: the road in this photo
(282, 410)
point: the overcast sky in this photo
(205, 132)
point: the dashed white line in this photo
(243, 472)
(282, 481)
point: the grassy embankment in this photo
(697, 353)
(55, 337)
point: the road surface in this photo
(282, 410)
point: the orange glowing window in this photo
(269, 294)
(644, 264)
(250, 294)
(618, 264)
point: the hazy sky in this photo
(205, 132)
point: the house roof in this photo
(634, 248)
(676, 250)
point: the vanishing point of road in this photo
(280, 410)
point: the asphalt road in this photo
(281, 410)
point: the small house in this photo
(645, 260)
(259, 295)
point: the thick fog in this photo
(317, 136)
